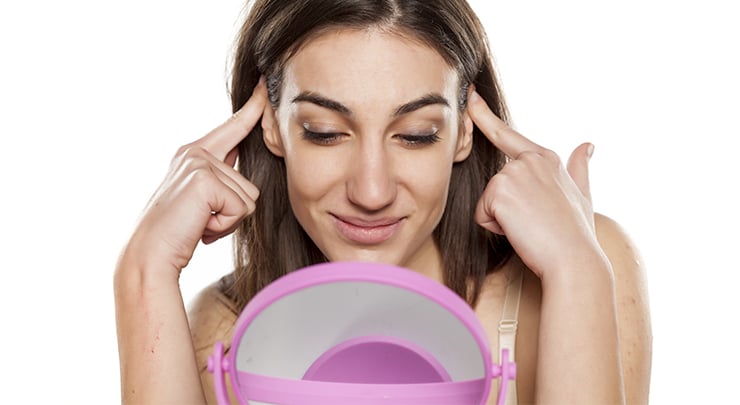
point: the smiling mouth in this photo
(367, 232)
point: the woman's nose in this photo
(372, 185)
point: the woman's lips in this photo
(367, 232)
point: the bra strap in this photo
(507, 328)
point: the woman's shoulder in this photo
(211, 315)
(633, 309)
(623, 253)
(630, 279)
(613, 236)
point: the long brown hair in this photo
(270, 243)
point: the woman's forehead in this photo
(366, 66)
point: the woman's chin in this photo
(366, 256)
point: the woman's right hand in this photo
(202, 197)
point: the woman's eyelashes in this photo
(409, 140)
(419, 140)
(321, 138)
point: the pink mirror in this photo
(359, 333)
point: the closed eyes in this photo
(409, 140)
(321, 138)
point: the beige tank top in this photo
(507, 328)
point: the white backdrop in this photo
(95, 97)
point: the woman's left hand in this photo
(544, 210)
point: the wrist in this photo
(137, 268)
(579, 271)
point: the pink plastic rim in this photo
(304, 392)
(334, 272)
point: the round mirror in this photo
(359, 333)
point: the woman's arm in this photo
(545, 211)
(578, 350)
(203, 198)
(595, 330)
(156, 352)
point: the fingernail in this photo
(590, 150)
(474, 97)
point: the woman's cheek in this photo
(430, 172)
(311, 174)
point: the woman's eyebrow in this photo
(411, 106)
(321, 101)
(423, 101)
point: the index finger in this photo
(224, 138)
(509, 141)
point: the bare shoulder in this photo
(616, 242)
(211, 316)
(626, 260)
(635, 331)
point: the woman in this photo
(375, 130)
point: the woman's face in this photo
(369, 128)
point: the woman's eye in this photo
(321, 138)
(419, 140)
(330, 138)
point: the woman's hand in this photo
(202, 197)
(543, 209)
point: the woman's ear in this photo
(271, 132)
(465, 140)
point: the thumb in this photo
(578, 167)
